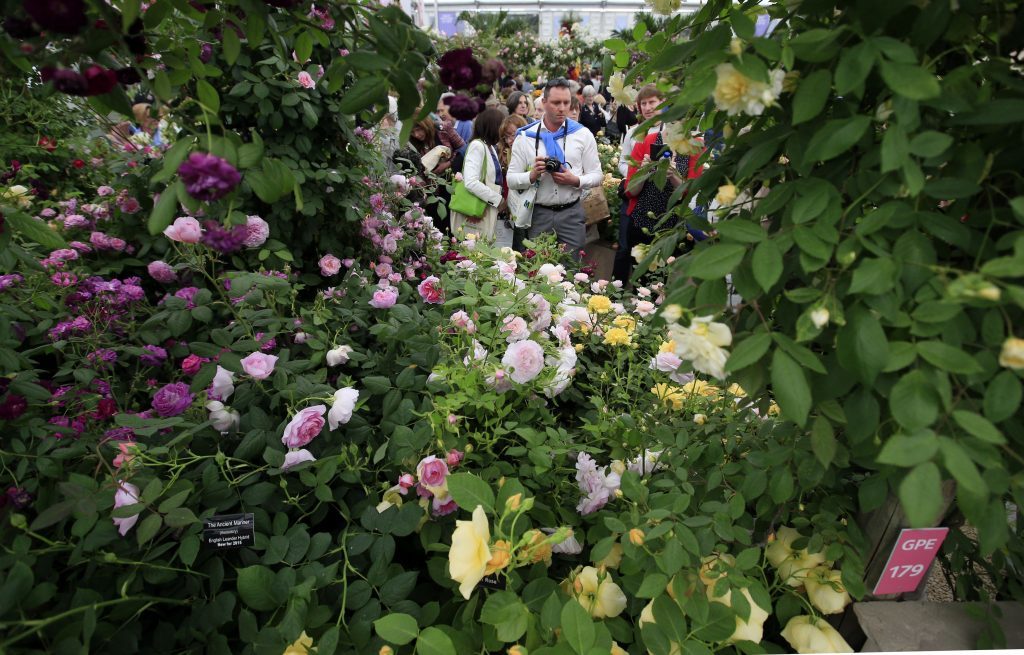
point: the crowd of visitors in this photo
(523, 158)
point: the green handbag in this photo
(464, 202)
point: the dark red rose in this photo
(66, 81)
(19, 28)
(459, 69)
(13, 406)
(106, 408)
(100, 80)
(462, 107)
(78, 163)
(63, 16)
(135, 39)
(128, 76)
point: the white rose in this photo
(343, 406)
(339, 355)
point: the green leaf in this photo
(720, 625)
(716, 261)
(979, 427)
(208, 96)
(366, 92)
(1003, 396)
(577, 627)
(854, 65)
(742, 231)
(172, 159)
(909, 450)
(434, 642)
(232, 46)
(303, 47)
(148, 528)
(254, 588)
(789, 384)
(874, 276)
(396, 628)
(749, 351)
(930, 143)
(947, 358)
(470, 491)
(507, 614)
(34, 230)
(180, 517)
(910, 80)
(958, 462)
(652, 586)
(823, 441)
(810, 96)
(836, 137)
(920, 494)
(767, 263)
(862, 346)
(163, 211)
(913, 401)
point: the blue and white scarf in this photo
(550, 139)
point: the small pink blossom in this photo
(329, 265)
(185, 229)
(454, 457)
(306, 80)
(432, 472)
(161, 271)
(105, 191)
(384, 298)
(295, 457)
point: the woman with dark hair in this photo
(483, 177)
(436, 158)
(519, 104)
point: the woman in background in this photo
(482, 175)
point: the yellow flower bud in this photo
(513, 503)
(517, 650)
(700, 419)
(636, 537)
(386, 650)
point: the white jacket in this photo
(472, 170)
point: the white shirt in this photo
(580, 149)
(629, 141)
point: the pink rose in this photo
(406, 482)
(329, 265)
(256, 232)
(516, 327)
(432, 473)
(126, 494)
(296, 457)
(454, 457)
(430, 290)
(304, 426)
(192, 364)
(306, 80)
(161, 271)
(461, 319)
(185, 229)
(666, 362)
(384, 298)
(525, 359)
(258, 365)
(105, 191)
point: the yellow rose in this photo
(599, 304)
(667, 347)
(1012, 355)
(825, 590)
(726, 194)
(301, 645)
(753, 628)
(617, 337)
(737, 390)
(669, 396)
(598, 595)
(627, 323)
(19, 195)
(612, 559)
(469, 554)
(808, 634)
(700, 387)
(792, 565)
(517, 650)
(500, 557)
(636, 537)
(618, 650)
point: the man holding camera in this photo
(560, 156)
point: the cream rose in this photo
(807, 634)
(599, 596)
(826, 591)
(469, 554)
(1012, 355)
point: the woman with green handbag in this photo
(477, 198)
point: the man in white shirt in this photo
(560, 156)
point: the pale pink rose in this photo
(304, 426)
(126, 494)
(185, 229)
(256, 232)
(105, 191)
(125, 455)
(666, 362)
(462, 320)
(645, 308)
(329, 265)
(599, 286)
(223, 384)
(348, 262)
(516, 327)
(306, 80)
(259, 365)
(406, 482)
(643, 292)
(342, 407)
(433, 473)
(525, 359)
(389, 244)
(430, 290)
(296, 457)
(384, 298)
(161, 271)
(582, 278)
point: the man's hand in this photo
(566, 178)
(538, 169)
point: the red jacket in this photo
(642, 148)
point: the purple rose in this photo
(459, 69)
(208, 177)
(462, 108)
(172, 399)
(224, 239)
(13, 406)
(161, 271)
(153, 355)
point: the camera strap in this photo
(565, 138)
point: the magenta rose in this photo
(193, 363)
(304, 426)
(172, 399)
(430, 290)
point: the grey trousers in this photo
(569, 225)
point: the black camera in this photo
(552, 165)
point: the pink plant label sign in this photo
(909, 561)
